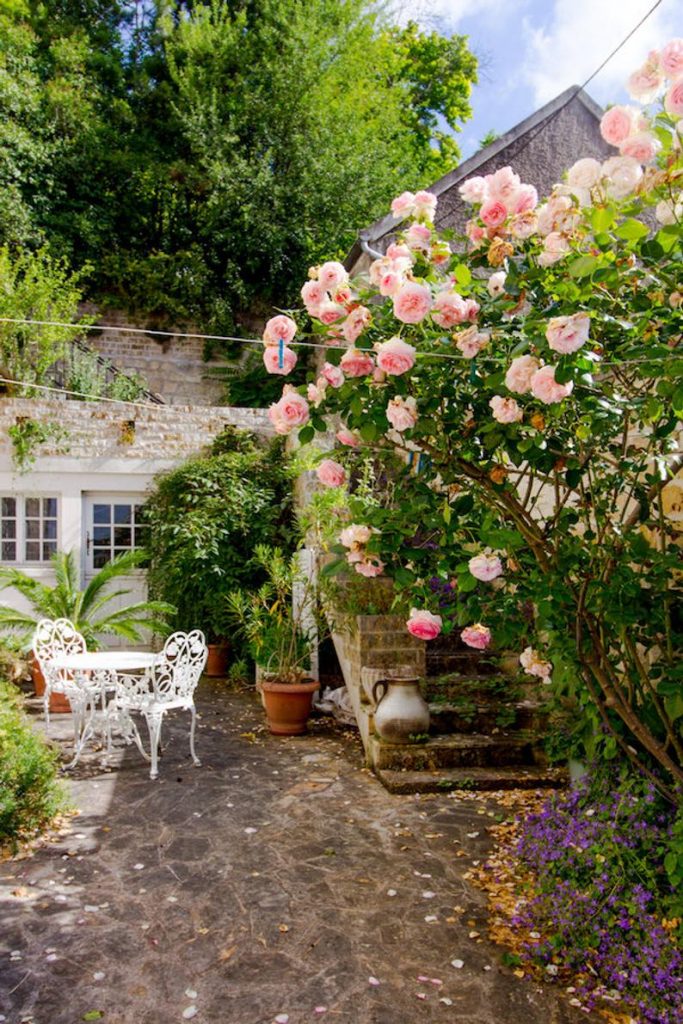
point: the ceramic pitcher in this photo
(401, 713)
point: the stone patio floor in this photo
(278, 881)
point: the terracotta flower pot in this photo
(288, 706)
(217, 661)
(59, 703)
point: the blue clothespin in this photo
(411, 456)
(281, 354)
(420, 462)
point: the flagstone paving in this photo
(277, 882)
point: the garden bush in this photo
(30, 794)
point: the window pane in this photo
(50, 529)
(101, 535)
(139, 513)
(33, 529)
(141, 536)
(49, 548)
(122, 514)
(32, 551)
(9, 507)
(123, 536)
(33, 507)
(100, 558)
(9, 528)
(50, 507)
(9, 551)
(101, 513)
(121, 551)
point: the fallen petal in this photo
(373, 981)
(457, 964)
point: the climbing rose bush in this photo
(529, 379)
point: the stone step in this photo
(489, 719)
(473, 778)
(455, 688)
(454, 751)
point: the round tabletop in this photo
(112, 659)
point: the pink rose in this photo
(531, 662)
(390, 282)
(403, 205)
(331, 474)
(505, 410)
(673, 101)
(585, 173)
(485, 567)
(440, 253)
(523, 225)
(546, 388)
(471, 310)
(623, 174)
(519, 374)
(644, 84)
(271, 360)
(493, 213)
(475, 232)
(412, 302)
(671, 59)
(503, 184)
(289, 412)
(555, 247)
(558, 214)
(356, 363)
(332, 275)
(423, 624)
(471, 341)
(333, 375)
(329, 312)
(425, 205)
(347, 437)
(279, 327)
(496, 284)
(356, 535)
(370, 566)
(567, 334)
(418, 236)
(402, 412)
(316, 392)
(642, 146)
(395, 357)
(313, 295)
(477, 636)
(523, 200)
(396, 251)
(474, 190)
(617, 124)
(355, 323)
(449, 309)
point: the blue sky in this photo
(531, 50)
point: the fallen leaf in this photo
(92, 1015)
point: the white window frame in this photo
(21, 538)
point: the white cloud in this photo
(445, 15)
(579, 34)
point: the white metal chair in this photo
(169, 684)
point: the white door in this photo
(112, 524)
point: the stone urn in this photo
(402, 713)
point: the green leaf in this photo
(462, 275)
(631, 230)
(93, 1015)
(677, 401)
(368, 431)
(446, 512)
(602, 218)
(306, 434)
(583, 266)
(333, 568)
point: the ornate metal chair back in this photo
(180, 665)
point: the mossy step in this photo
(480, 779)
(454, 751)
(490, 719)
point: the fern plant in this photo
(90, 609)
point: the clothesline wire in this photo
(599, 364)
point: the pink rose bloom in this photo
(667, 212)
(315, 392)
(370, 566)
(390, 282)
(555, 247)
(617, 124)
(475, 232)
(402, 412)
(412, 302)
(558, 213)
(423, 624)
(347, 437)
(624, 174)
(398, 251)
(356, 363)
(403, 205)
(642, 146)
(505, 410)
(671, 59)
(523, 225)
(440, 254)
(377, 268)
(519, 374)
(523, 200)
(332, 275)
(503, 184)
(471, 341)
(673, 101)
(425, 205)
(342, 295)
(585, 173)
(418, 236)
(471, 310)
(313, 295)
(474, 190)
(331, 474)
(279, 327)
(546, 388)
(355, 323)
(271, 360)
(485, 567)
(644, 84)
(329, 312)
(496, 284)
(333, 375)
(476, 636)
(449, 309)
(395, 357)
(493, 212)
(531, 662)
(567, 334)
(289, 412)
(355, 535)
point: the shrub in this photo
(30, 795)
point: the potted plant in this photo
(89, 610)
(279, 622)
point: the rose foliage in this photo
(531, 385)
